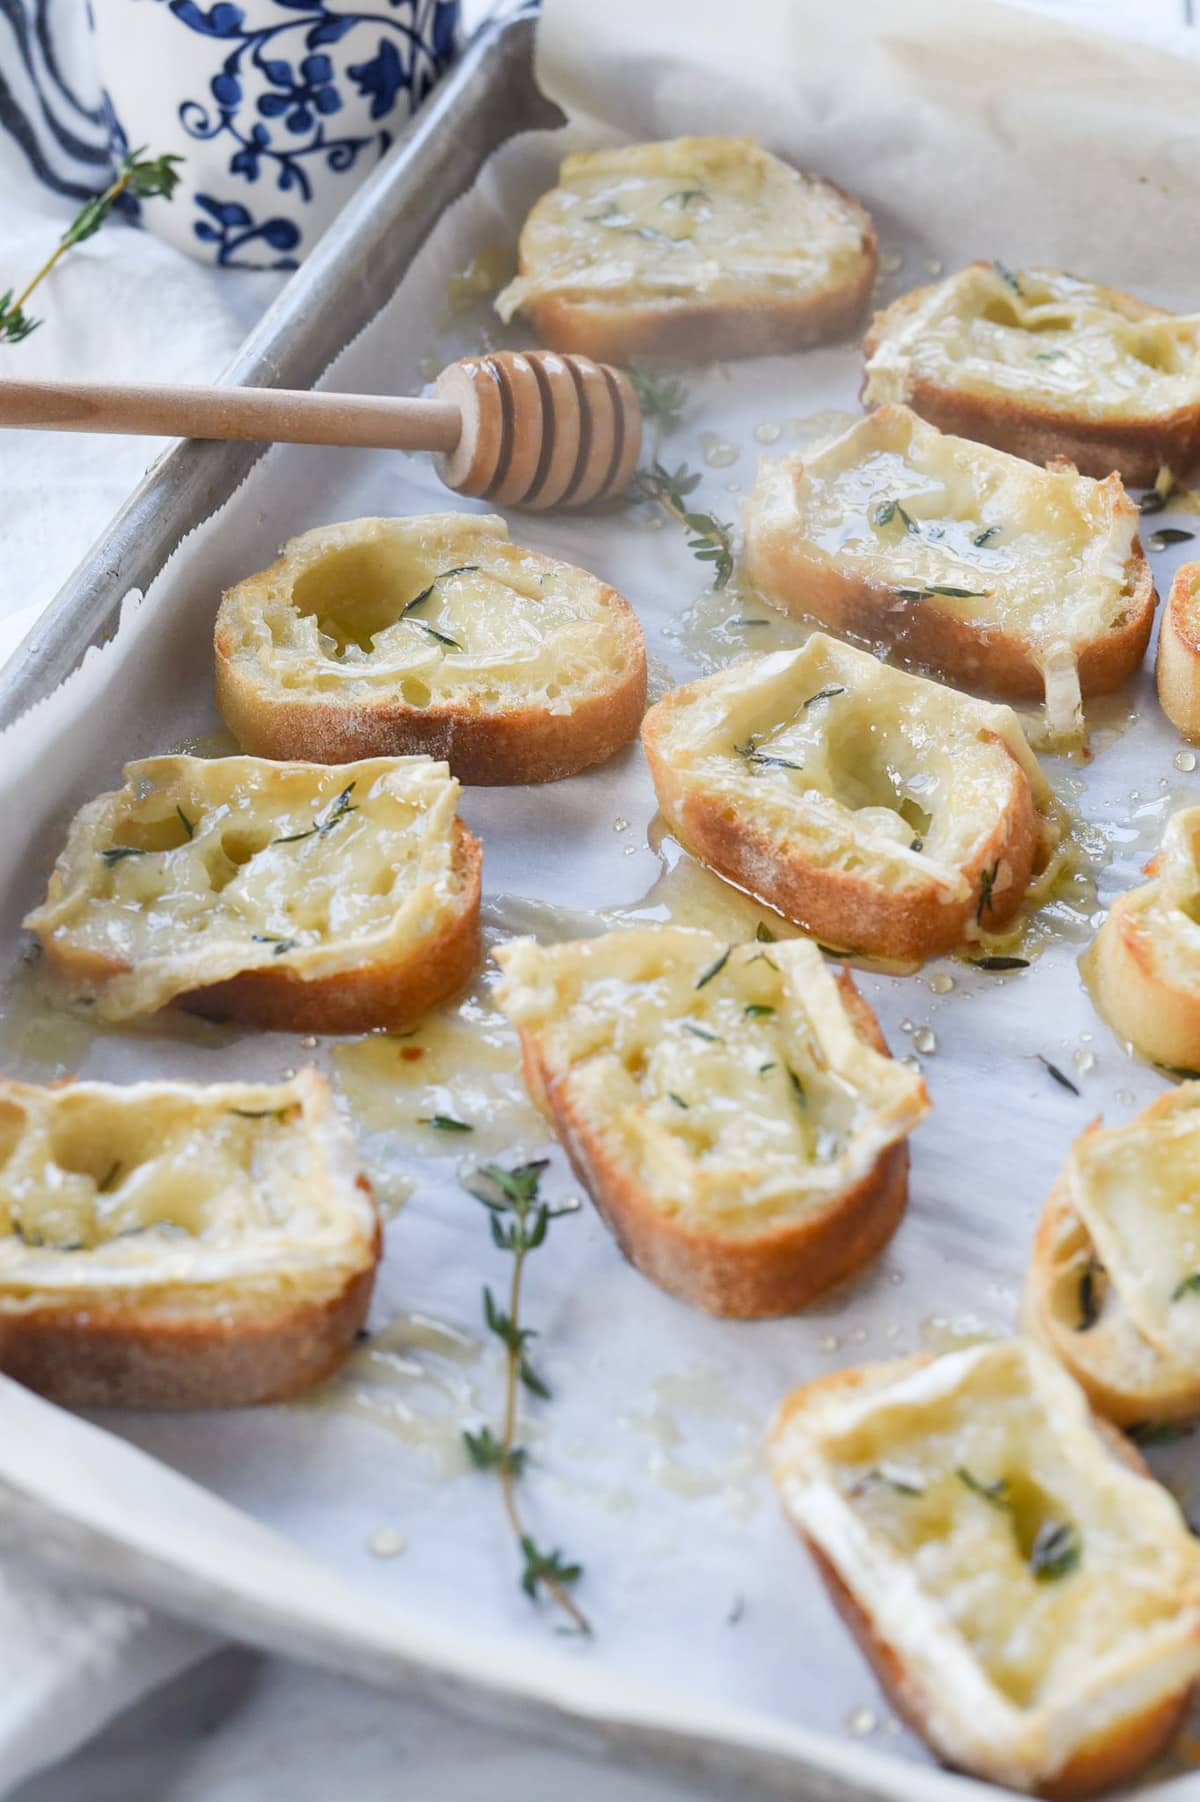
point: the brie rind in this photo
(728, 1082)
(712, 218)
(1041, 338)
(1011, 1670)
(855, 765)
(1137, 1190)
(438, 608)
(1042, 555)
(189, 1193)
(198, 869)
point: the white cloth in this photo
(124, 306)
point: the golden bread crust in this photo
(1177, 670)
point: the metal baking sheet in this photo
(714, 1644)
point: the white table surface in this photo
(240, 1727)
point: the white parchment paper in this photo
(967, 132)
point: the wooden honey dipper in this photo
(521, 428)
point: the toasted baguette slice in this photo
(1143, 966)
(992, 571)
(696, 247)
(1028, 1597)
(382, 637)
(1177, 670)
(881, 812)
(1112, 1283)
(1044, 365)
(734, 1115)
(179, 1245)
(295, 896)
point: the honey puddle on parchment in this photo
(410, 1379)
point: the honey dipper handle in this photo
(264, 415)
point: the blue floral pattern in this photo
(277, 96)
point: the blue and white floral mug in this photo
(279, 108)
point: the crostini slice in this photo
(1043, 364)
(1143, 966)
(297, 896)
(884, 813)
(1177, 669)
(731, 1109)
(1028, 1597)
(434, 635)
(692, 247)
(179, 1245)
(1005, 577)
(1113, 1287)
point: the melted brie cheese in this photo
(854, 764)
(1043, 555)
(432, 609)
(710, 218)
(1137, 1190)
(728, 1082)
(931, 1484)
(200, 868)
(165, 1187)
(1043, 339)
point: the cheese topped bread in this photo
(1114, 1281)
(292, 895)
(1177, 670)
(694, 247)
(179, 1245)
(380, 637)
(1043, 364)
(1144, 963)
(1004, 577)
(731, 1109)
(1027, 1595)
(882, 812)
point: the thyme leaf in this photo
(441, 637)
(683, 197)
(984, 537)
(338, 811)
(1057, 1549)
(995, 1494)
(1159, 1432)
(1165, 535)
(1000, 963)
(1189, 1286)
(269, 938)
(1006, 275)
(763, 933)
(116, 853)
(677, 1099)
(797, 1087)
(823, 694)
(953, 594)
(757, 1010)
(987, 882)
(185, 822)
(445, 1123)
(701, 1032)
(660, 397)
(1089, 1307)
(1064, 1082)
(714, 969)
(460, 569)
(764, 759)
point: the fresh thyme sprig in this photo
(710, 541)
(519, 1222)
(139, 176)
(337, 812)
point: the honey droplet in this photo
(718, 452)
(860, 1722)
(941, 984)
(1184, 760)
(925, 1040)
(768, 434)
(386, 1542)
(1084, 1060)
(309, 1043)
(906, 1025)
(620, 825)
(830, 1342)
